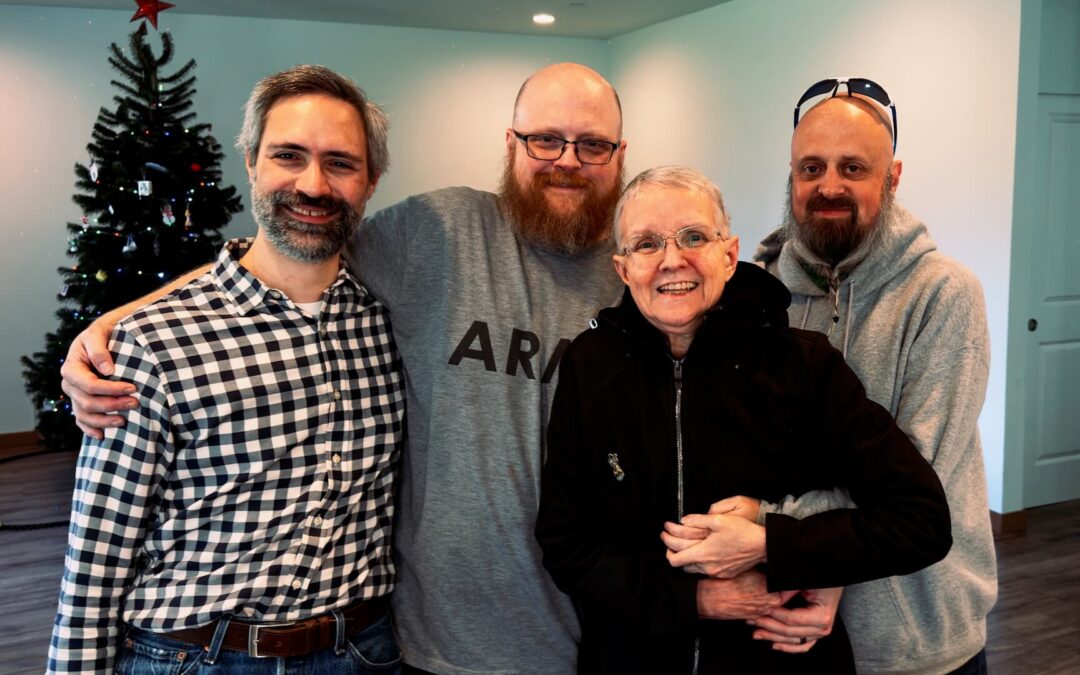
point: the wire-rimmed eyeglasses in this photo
(548, 147)
(855, 85)
(687, 239)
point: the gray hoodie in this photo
(912, 324)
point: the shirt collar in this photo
(248, 294)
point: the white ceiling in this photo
(599, 19)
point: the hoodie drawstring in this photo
(847, 319)
(834, 293)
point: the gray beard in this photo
(300, 241)
(833, 245)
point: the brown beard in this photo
(830, 239)
(536, 222)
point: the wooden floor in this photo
(1033, 629)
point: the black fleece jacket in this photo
(764, 410)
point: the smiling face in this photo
(674, 288)
(310, 182)
(841, 164)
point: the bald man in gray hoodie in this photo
(912, 324)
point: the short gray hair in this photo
(681, 177)
(300, 80)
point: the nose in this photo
(831, 185)
(312, 181)
(671, 256)
(568, 161)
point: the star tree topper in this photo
(148, 9)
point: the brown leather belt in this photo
(286, 639)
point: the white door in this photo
(1048, 214)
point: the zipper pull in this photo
(616, 470)
(678, 371)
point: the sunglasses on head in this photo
(855, 85)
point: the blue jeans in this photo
(370, 651)
(976, 665)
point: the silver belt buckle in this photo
(253, 637)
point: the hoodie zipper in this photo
(679, 473)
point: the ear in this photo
(250, 168)
(371, 186)
(620, 267)
(895, 171)
(731, 257)
(511, 139)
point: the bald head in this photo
(568, 83)
(850, 115)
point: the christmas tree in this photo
(152, 208)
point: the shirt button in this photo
(318, 521)
(323, 332)
(337, 459)
(296, 584)
(275, 295)
(337, 394)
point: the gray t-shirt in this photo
(480, 319)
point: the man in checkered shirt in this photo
(244, 510)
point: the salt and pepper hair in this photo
(680, 177)
(314, 80)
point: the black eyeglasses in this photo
(548, 147)
(855, 85)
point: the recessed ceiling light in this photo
(543, 19)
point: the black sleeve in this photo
(902, 521)
(575, 530)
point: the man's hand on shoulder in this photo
(92, 398)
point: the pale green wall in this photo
(449, 94)
(716, 90)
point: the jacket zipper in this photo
(679, 473)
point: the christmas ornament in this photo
(144, 188)
(111, 211)
(130, 246)
(156, 167)
(196, 167)
(167, 216)
(73, 245)
(101, 276)
(64, 291)
(85, 221)
(148, 9)
(93, 170)
(48, 406)
(187, 218)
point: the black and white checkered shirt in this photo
(255, 478)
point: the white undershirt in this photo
(312, 309)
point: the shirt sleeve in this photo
(116, 480)
(902, 521)
(378, 252)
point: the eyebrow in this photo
(588, 135)
(843, 158)
(274, 147)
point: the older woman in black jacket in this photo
(695, 389)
